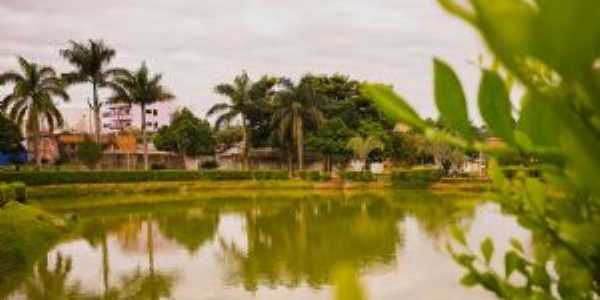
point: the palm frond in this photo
(225, 118)
(219, 107)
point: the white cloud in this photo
(198, 44)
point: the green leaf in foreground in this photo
(495, 106)
(393, 105)
(450, 100)
(487, 249)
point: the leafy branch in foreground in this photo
(551, 49)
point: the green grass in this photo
(26, 233)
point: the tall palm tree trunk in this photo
(246, 144)
(144, 138)
(37, 151)
(300, 142)
(96, 108)
(290, 160)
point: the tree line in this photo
(325, 115)
(32, 103)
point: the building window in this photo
(155, 112)
(148, 111)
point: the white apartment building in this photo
(117, 117)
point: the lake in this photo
(262, 245)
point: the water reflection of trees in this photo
(290, 240)
(305, 240)
(294, 242)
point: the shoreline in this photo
(49, 192)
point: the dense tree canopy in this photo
(186, 134)
(10, 137)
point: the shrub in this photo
(271, 175)
(415, 178)
(12, 192)
(20, 191)
(358, 176)
(225, 175)
(89, 153)
(314, 176)
(74, 177)
(158, 166)
(209, 165)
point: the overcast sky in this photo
(198, 44)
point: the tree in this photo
(139, 88)
(557, 126)
(297, 105)
(229, 136)
(363, 146)
(187, 135)
(245, 99)
(342, 99)
(10, 137)
(90, 62)
(31, 103)
(89, 153)
(331, 140)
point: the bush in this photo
(358, 176)
(415, 178)
(12, 192)
(75, 177)
(314, 176)
(209, 165)
(20, 191)
(271, 175)
(156, 166)
(242, 175)
(89, 153)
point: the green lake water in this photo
(261, 245)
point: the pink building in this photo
(117, 117)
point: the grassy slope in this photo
(26, 233)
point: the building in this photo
(118, 116)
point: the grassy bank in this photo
(172, 189)
(26, 233)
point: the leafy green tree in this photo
(331, 140)
(551, 49)
(297, 104)
(245, 99)
(139, 88)
(362, 146)
(90, 61)
(186, 134)
(89, 153)
(31, 103)
(229, 136)
(10, 137)
(342, 99)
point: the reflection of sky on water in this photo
(420, 268)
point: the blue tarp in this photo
(10, 159)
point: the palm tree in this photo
(90, 63)
(139, 88)
(31, 103)
(244, 98)
(297, 104)
(363, 146)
